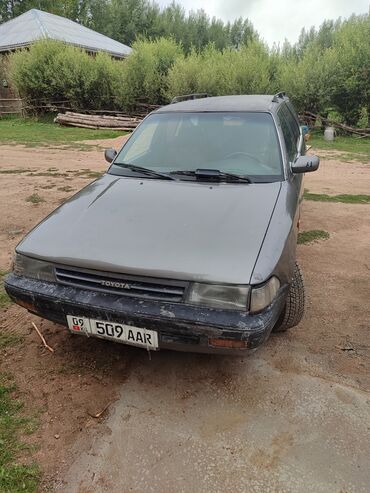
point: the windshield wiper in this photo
(145, 171)
(213, 174)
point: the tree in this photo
(145, 71)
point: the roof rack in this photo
(187, 97)
(279, 95)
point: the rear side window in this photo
(290, 130)
(296, 127)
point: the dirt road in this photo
(291, 417)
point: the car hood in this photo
(170, 229)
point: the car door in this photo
(294, 146)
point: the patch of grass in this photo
(8, 340)
(15, 171)
(80, 146)
(362, 158)
(41, 131)
(87, 173)
(92, 174)
(66, 188)
(345, 157)
(312, 235)
(5, 301)
(344, 198)
(47, 173)
(35, 198)
(56, 174)
(15, 477)
(356, 149)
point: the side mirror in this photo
(110, 154)
(304, 164)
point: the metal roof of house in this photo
(36, 24)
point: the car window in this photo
(292, 118)
(244, 143)
(290, 131)
(142, 145)
(296, 127)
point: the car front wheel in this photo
(294, 307)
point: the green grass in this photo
(344, 198)
(35, 198)
(67, 188)
(5, 301)
(355, 148)
(55, 174)
(15, 476)
(15, 171)
(7, 339)
(313, 235)
(90, 174)
(42, 131)
(85, 173)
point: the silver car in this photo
(188, 242)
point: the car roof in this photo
(260, 102)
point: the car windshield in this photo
(244, 143)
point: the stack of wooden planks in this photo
(123, 122)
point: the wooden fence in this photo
(11, 106)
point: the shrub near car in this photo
(188, 242)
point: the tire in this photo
(294, 307)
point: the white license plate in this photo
(114, 331)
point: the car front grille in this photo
(161, 289)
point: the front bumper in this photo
(181, 327)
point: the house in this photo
(36, 24)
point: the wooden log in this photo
(95, 127)
(342, 126)
(96, 121)
(103, 117)
(9, 99)
(109, 120)
(122, 122)
(92, 124)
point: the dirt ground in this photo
(293, 416)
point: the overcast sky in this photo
(276, 20)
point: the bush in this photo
(363, 120)
(328, 68)
(33, 71)
(243, 71)
(53, 71)
(2, 68)
(334, 116)
(332, 70)
(350, 68)
(146, 69)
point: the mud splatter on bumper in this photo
(180, 326)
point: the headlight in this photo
(263, 296)
(219, 296)
(36, 269)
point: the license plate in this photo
(114, 331)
